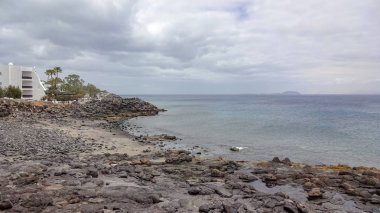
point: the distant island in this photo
(290, 93)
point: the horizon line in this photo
(301, 94)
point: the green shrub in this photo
(91, 90)
(12, 92)
(68, 97)
(70, 88)
(2, 92)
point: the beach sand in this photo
(113, 140)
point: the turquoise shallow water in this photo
(327, 129)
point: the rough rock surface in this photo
(46, 170)
(114, 105)
(110, 105)
(17, 138)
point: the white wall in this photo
(4, 75)
(38, 88)
(15, 73)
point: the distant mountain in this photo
(290, 93)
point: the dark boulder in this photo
(92, 172)
(4, 205)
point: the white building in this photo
(25, 78)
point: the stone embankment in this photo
(113, 105)
(109, 106)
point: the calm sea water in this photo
(326, 129)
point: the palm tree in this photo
(53, 72)
(54, 81)
(57, 70)
(49, 73)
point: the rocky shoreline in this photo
(74, 158)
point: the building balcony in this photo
(27, 77)
(27, 96)
(27, 87)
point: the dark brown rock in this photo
(290, 206)
(216, 173)
(223, 192)
(287, 161)
(217, 205)
(314, 193)
(276, 160)
(194, 190)
(247, 177)
(346, 172)
(270, 178)
(92, 172)
(169, 137)
(38, 201)
(176, 157)
(375, 199)
(4, 205)
(234, 149)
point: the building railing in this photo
(26, 77)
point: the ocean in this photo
(317, 129)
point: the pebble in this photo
(92, 172)
(375, 199)
(216, 173)
(314, 193)
(235, 149)
(247, 177)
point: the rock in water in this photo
(287, 161)
(276, 160)
(169, 137)
(234, 149)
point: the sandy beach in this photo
(109, 140)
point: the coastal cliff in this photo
(74, 157)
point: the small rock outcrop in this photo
(114, 105)
(110, 105)
(178, 156)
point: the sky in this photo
(199, 46)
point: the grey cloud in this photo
(269, 45)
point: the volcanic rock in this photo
(314, 193)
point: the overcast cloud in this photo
(200, 46)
